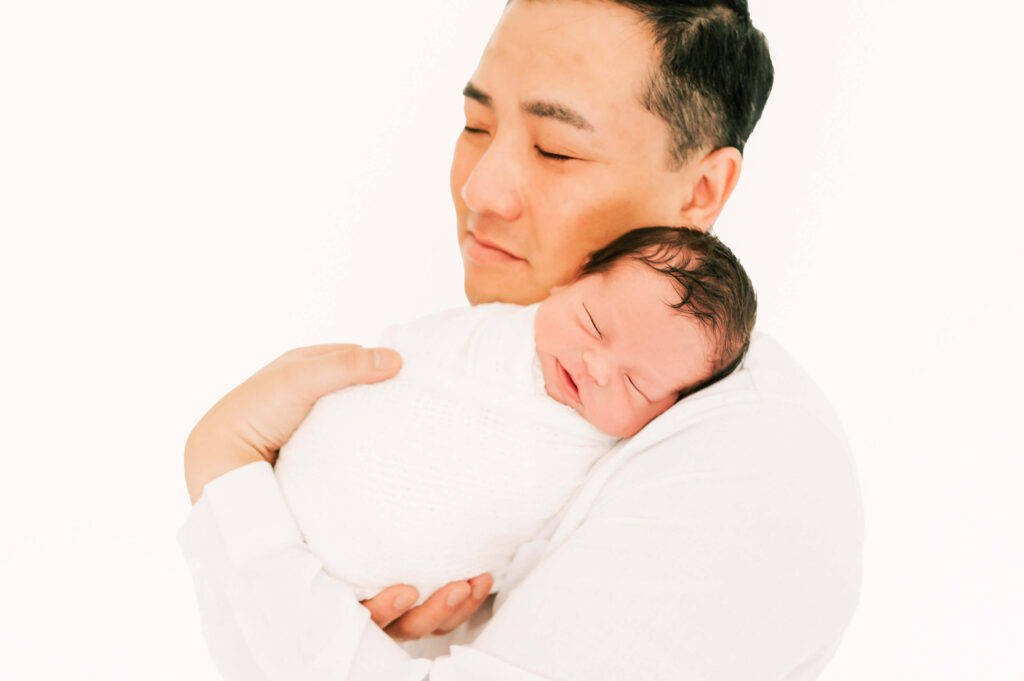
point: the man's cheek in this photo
(561, 268)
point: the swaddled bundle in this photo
(442, 472)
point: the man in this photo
(721, 543)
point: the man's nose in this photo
(598, 366)
(493, 185)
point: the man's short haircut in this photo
(715, 72)
(712, 285)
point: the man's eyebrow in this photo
(557, 112)
(473, 92)
(543, 109)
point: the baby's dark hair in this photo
(713, 287)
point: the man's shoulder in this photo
(455, 329)
(461, 321)
(492, 343)
(778, 379)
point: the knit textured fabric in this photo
(443, 471)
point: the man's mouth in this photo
(485, 252)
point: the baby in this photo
(499, 412)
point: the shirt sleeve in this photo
(729, 551)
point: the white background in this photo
(188, 189)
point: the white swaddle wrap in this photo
(442, 472)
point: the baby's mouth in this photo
(570, 385)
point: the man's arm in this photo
(730, 551)
(253, 421)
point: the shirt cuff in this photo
(248, 510)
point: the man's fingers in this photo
(480, 588)
(424, 619)
(334, 370)
(390, 604)
(315, 350)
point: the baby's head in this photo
(655, 315)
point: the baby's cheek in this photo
(622, 421)
(635, 418)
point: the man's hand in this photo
(450, 606)
(253, 421)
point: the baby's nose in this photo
(597, 366)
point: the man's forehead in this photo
(587, 65)
(574, 38)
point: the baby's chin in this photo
(615, 427)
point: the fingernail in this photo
(457, 595)
(384, 359)
(403, 601)
(479, 591)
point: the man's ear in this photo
(712, 180)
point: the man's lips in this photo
(486, 252)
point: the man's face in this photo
(612, 348)
(559, 156)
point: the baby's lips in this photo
(569, 385)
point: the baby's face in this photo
(612, 348)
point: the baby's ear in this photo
(556, 289)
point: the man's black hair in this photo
(712, 285)
(715, 72)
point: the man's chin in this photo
(483, 289)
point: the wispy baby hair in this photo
(712, 285)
